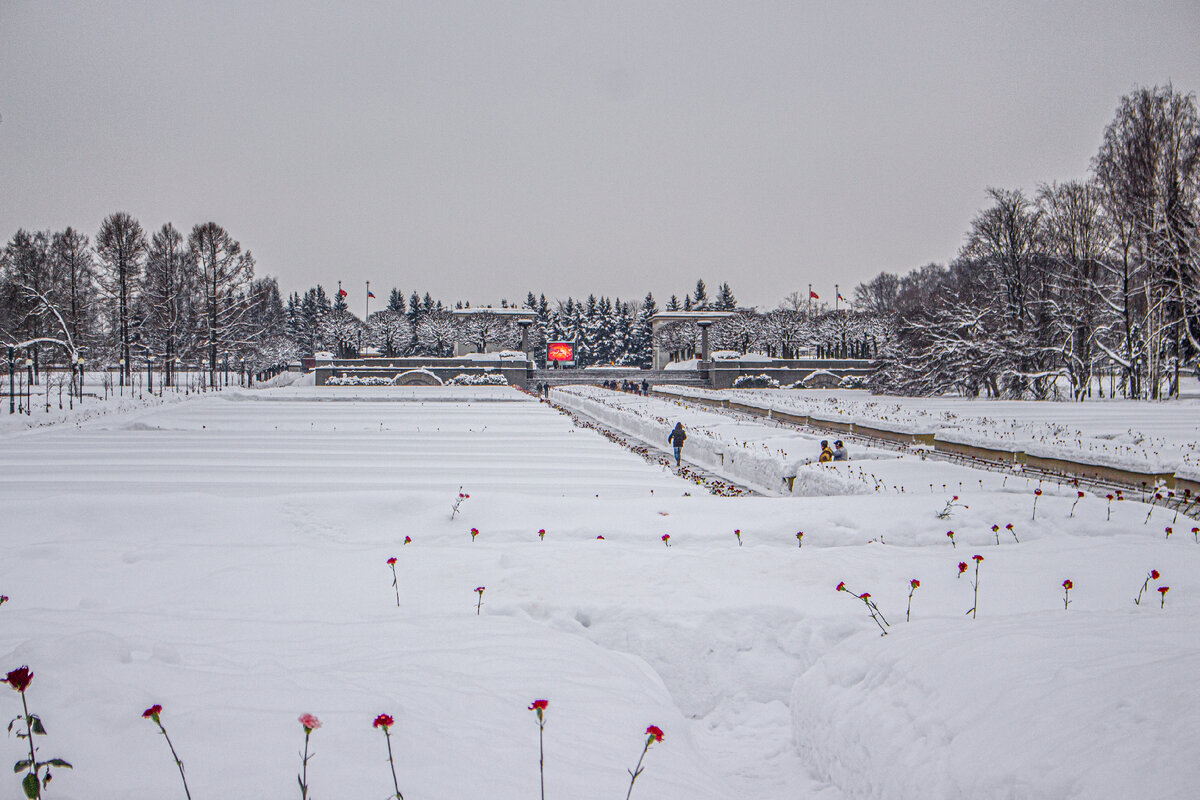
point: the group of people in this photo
(836, 453)
(627, 386)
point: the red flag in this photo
(342, 293)
(813, 295)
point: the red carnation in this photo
(408, 540)
(1037, 492)
(539, 705)
(655, 733)
(977, 558)
(1164, 589)
(152, 712)
(4, 597)
(962, 567)
(392, 561)
(1081, 494)
(841, 587)
(480, 589)
(865, 596)
(914, 583)
(1009, 526)
(384, 721)
(19, 678)
(1068, 584)
(599, 537)
(1154, 574)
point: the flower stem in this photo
(32, 756)
(174, 755)
(633, 776)
(395, 784)
(541, 759)
(396, 585)
(304, 769)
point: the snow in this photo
(224, 555)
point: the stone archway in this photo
(417, 377)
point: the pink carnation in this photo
(309, 722)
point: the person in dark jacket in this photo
(676, 439)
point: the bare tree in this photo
(436, 333)
(121, 248)
(76, 270)
(167, 296)
(482, 328)
(389, 330)
(224, 274)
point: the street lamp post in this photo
(29, 387)
(12, 369)
(149, 373)
(80, 364)
(121, 367)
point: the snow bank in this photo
(1081, 706)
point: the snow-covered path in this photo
(226, 557)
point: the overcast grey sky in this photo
(480, 150)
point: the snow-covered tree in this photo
(389, 331)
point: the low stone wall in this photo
(723, 374)
(515, 372)
(1098, 472)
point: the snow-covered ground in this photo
(1133, 434)
(225, 556)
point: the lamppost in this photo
(149, 372)
(121, 368)
(80, 364)
(29, 387)
(12, 369)
(175, 376)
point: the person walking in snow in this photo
(826, 453)
(676, 439)
(839, 451)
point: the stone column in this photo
(704, 339)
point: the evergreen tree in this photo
(700, 296)
(396, 301)
(725, 300)
(672, 304)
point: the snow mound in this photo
(1069, 706)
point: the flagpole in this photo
(809, 298)
(367, 307)
(837, 295)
